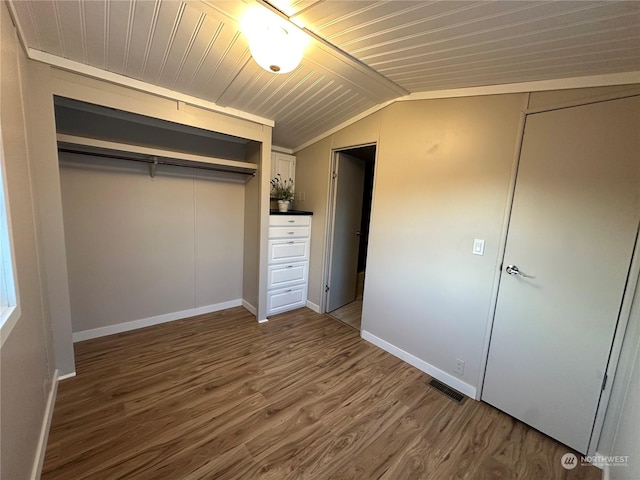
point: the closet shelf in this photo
(150, 155)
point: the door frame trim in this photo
(633, 276)
(331, 214)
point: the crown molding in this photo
(606, 80)
(276, 148)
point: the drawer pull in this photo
(291, 242)
(287, 291)
(289, 266)
(291, 221)
(291, 233)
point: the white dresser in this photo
(288, 271)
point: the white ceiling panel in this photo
(139, 37)
(72, 30)
(47, 26)
(118, 22)
(96, 33)
(30, 30)
(361, 53)
(187, 31)
(163, 35)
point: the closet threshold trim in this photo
(152, 156)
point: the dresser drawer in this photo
(289, 232)
(285, 299)
(281, 251)
(288, 220)
(286, 274)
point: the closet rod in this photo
(155, 161)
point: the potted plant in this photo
(282, 190)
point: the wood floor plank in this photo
(221, 397)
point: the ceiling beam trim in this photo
(331, 59)
(89, 71)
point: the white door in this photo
(571, 235)
(349, 190)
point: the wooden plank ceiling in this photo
(361, 54)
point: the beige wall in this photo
(443, 174)
(562, 97)
(441, 180)
(139, 247)
(26, 359)
(313, 165)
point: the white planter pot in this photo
(283, 205)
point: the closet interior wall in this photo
(144, 247)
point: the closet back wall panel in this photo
(219, 237)
(139, 247)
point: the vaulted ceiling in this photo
(361, 53)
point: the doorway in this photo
(351, 196)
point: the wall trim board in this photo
(46, 425)
(421, 365)
(313, 306)
(156, 320)
(249, 307)
(94, 72)
(66, 376)
(607, 80)
(276, 148)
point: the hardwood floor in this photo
(301, 397)
(351, 314)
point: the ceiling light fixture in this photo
(275, 44)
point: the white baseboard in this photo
(147, 322)
(36, 471)
(313, 306)
(253, 310)
(427, 368)
(68, 375)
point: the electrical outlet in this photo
(459, 368)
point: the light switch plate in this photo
(478, 246)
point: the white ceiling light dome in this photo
(275, 44)
(275, 49)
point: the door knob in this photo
(358, 233)
(512, 270)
